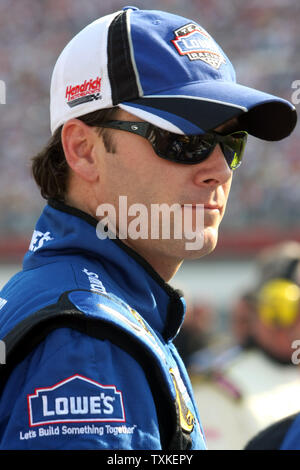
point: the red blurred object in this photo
(13, 249)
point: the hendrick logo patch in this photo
(84, 92)
(76, 399)
(195, 43)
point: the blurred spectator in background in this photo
(197, 330)
(277, 319)
(241, 320)
(255, 383)
(279, 261)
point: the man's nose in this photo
(214, 170)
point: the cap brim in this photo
(199, 107)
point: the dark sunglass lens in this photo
(180, 148)
(201, 147)
(233, 147)
(167, 145)
(232, 157)
(176, 150)
(195, 149)
(183, 148)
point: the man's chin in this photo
(203, 245)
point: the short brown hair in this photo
(50, 168)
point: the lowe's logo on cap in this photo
(76, 399)
(197, 44)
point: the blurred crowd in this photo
(246, 377)
(261, 38)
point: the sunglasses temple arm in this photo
(139, 128)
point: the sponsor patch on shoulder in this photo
(76, 399)
(195, 43)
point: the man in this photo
(88, 324)
(280, 307)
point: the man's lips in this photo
(213, 207)
(201, 205)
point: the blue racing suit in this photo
(90, 364)
(281, 435)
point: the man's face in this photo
(134, 170)
(277, 340)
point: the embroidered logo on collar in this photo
(186, 417)
(38, 239)
(192, 41)
(138, 317)
(139, 327)
(76, 399)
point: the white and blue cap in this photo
(164, 69)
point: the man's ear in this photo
(78, 141)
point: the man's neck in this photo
(165, 266)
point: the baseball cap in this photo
(164, 69)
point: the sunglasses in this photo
(186, 149)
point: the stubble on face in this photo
(135, 171)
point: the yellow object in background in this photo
(279, 302)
